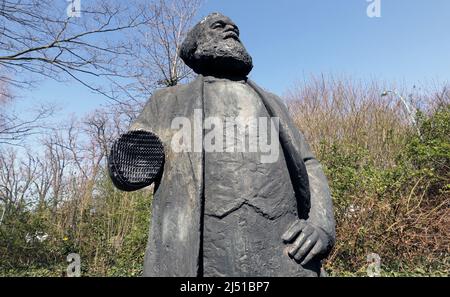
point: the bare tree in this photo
(16, 179)
(5, 93)
(156, 62)
(40, 37)
(162, 37)
(123, 50)
(14, 129)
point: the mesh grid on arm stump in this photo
(136, 160)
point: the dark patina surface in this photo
(229, 214)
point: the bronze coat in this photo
(174, 244)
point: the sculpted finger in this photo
(306, 247)
(314, 252)
(298, 243)
(293, 231)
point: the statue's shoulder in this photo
(177, 89)
(267, 94)
(168, 91)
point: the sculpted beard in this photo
(224, 57)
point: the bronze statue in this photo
(227, 212)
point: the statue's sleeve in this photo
(321, 211)
(136, 158)
(321, 204)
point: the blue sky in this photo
(289, 39)
(292, 39)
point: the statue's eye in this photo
(217, 25)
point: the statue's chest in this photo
(236, 175)
(225, 98)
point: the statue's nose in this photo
(231, 27)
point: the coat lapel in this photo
(290, 140)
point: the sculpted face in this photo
(213, 48)
(220, 30)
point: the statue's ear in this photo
(136, 160)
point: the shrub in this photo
(390, 186)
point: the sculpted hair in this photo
(189, 45)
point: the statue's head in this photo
(213, 47)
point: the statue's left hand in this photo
(310, 241)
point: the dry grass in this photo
(384, 202)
